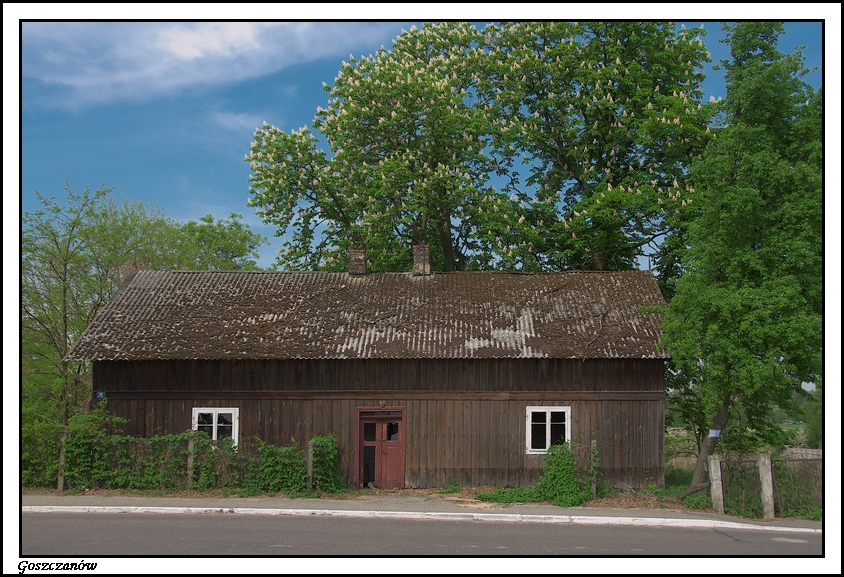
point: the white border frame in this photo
(235, 411)
(547, 410)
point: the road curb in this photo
(495, 517)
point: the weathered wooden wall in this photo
(465, 418)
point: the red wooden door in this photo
(381, 447)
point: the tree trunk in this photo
(445, 241)
(700, 479)
(62, 447)
(63, 400)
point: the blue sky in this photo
(166, 111)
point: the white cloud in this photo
(189, 41)
(74, 64)
(236, 122)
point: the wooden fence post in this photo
(190, 464)
(716, 488)
(594, 449)
(311, 463)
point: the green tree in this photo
(225, 244)
(604, 118)
(74, 256)
(813, 411)
(607, 117)
(744, 327)
(407, 141)
(73, 259)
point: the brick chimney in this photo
(421, 260)
(357, 262)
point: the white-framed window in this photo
(547, 426)
(219, 423)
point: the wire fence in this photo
(798, 486)
(742, 488)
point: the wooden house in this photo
(425, 379)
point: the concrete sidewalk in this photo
(407, 507)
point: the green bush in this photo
(97, 459)
(699, 500)
(561, 482)
(39, 453)
(326, 465)
(282, 469)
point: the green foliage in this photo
(74, 256)
(604, 491)
(812, 514)
(227, 244)
(561, 482)
(39, 452)
(282, 469)
(608, 116)
(602, 119)
(699, 500)
(326, 465)
(813, 409)
(98, 459)
(523, 494)
(450, 488)
(406, 159)
(798, 488)
(744, 326)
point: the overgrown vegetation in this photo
(95, 458)
(562, 482)
(798, 484)
(75, 252)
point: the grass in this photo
(450, 488)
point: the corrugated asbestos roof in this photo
(318, 315)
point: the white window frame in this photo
(547, 411)
(235, 412)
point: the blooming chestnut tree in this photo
(409, 161)
(608, 117)
(532, 146)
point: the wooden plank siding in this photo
(465, 419)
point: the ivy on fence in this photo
(99, 459)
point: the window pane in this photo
(537, 416)
(224, 431)
(224, 418)
(368, 465)
(558, 417)
(558, 433)
(205, 419)
(392, 431)
(208, 429)
(537, 435)
(369, 431)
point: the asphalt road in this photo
(157, 535)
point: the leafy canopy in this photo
(603, 119)
(744, 327)
(74, 255)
